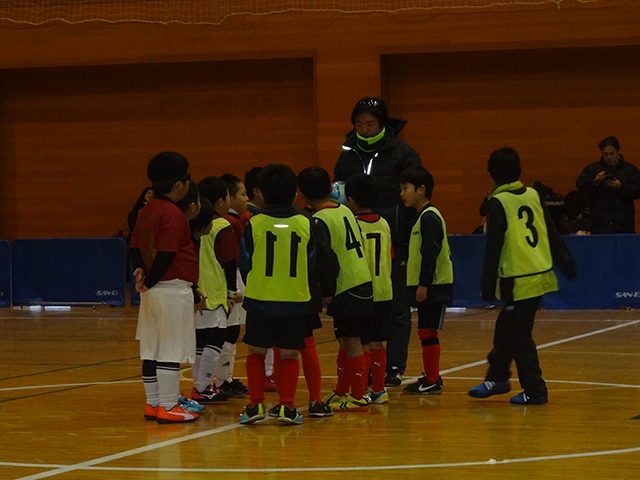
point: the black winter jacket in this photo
(391, 158)
(612, 211)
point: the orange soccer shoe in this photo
(176, 415)
(150, 413)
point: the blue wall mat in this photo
(608, 272)
(467, 254)
(5, 273)
(73, 270)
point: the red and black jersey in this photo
(162, 227)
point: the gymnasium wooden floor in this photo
(71, 404)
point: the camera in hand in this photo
(609, 176)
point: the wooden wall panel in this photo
(342, 77)
(78, 139)
(84, 106)
(553, 106)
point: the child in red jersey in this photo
(165, 267)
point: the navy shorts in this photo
(351, 310)
(431, 315)
(375, 329)
(311, 322)
(283, 332)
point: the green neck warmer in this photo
(371, 143)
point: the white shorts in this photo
(166, 327)
(212, 318)
(238, 315)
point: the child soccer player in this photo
(190, 204)
(251, 179)
(224, 373)
(275, 261)
(218, 252)
(522, 244)
(429, 272)
(254, 205)
(360, 190)
(352, 298)
(165, 267)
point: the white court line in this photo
(422, 466)
(31, 387)
(570, 382)
(546, 345)
(91, 463)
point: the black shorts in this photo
(375, 329)
(283, 332)
(431, 315)
(350, 310)
(311, 322)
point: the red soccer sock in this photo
(255, 378)
(311, 368)
(342, 387)
(357, 371)
(287, 380)
(367, 357)
(430, 354)
(378, 369)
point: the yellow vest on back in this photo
(526, 254)
(526, 248)
(377, 249)
(346, 243)
(279, 263)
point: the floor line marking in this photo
(490, 462)
(571, 382)
(546, 345)
(128, 453)
(31, 387)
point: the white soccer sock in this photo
(208, 364)
(232, 361)
(268, 363)
(168, 385)
(151, 390)
(196, 366)
(224, 364)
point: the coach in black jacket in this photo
(373, 147)
(611, 185)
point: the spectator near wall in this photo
(611, 185)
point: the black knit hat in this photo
(372, 105)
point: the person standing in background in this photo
(611, 185)
(372, 147)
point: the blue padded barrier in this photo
(92, 271)
(5, 273)
(608, 269)
(69, 271)
(467, 254)
(608, 274)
